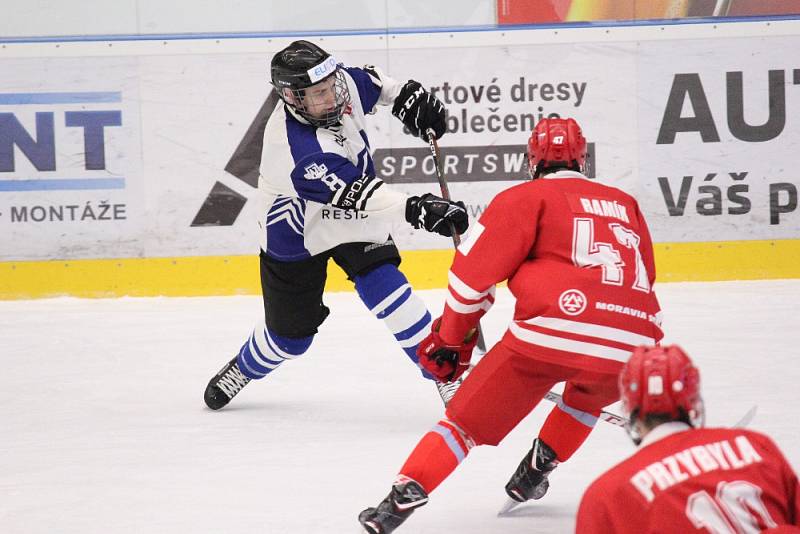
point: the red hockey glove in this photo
(444, 361)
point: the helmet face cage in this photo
(322, 104)
(661, 382)
(311, 82)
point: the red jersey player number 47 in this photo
(578, 259)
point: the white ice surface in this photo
(103, 427)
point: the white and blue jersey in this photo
(319, 184)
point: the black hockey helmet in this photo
(297, 69)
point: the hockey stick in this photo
(618, 420)
(608, 417)
(746, 418)
(434, 146)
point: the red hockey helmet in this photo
(556, 143)
(661, 380)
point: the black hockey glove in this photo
(419, 110)
(435, 214)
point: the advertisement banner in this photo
(555, 11)
(494, 97)
(718, 128)
(71, 181)
(157, 155)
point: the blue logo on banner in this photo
(39, 146)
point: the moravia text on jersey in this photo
(710, 480)
(319, 189)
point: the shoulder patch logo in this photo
(319, 171)
(572, 302)
(315, 171)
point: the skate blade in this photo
(509, 505)
(364, 530)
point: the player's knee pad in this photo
(458, 441)
(480, 429)
(387, 293)
(266, 350)
(575, 411)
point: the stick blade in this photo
(746, 418)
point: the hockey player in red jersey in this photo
(685, 478)
(579, 260)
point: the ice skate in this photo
(225, 385)
(394, 509)
(530, 479)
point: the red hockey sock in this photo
(564, 433)
(437, 455)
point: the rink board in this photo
(131, 168)
(425, 269)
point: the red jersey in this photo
(717, 480)
(578, 257)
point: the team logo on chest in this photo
(572, 302)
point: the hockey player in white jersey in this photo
(324, 201)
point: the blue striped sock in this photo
(388, 295)
(266, 350)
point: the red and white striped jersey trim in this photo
(608, 342)
(464, 299)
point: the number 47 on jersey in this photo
(588, 252)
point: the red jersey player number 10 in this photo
(686, 477)
(735, 503)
